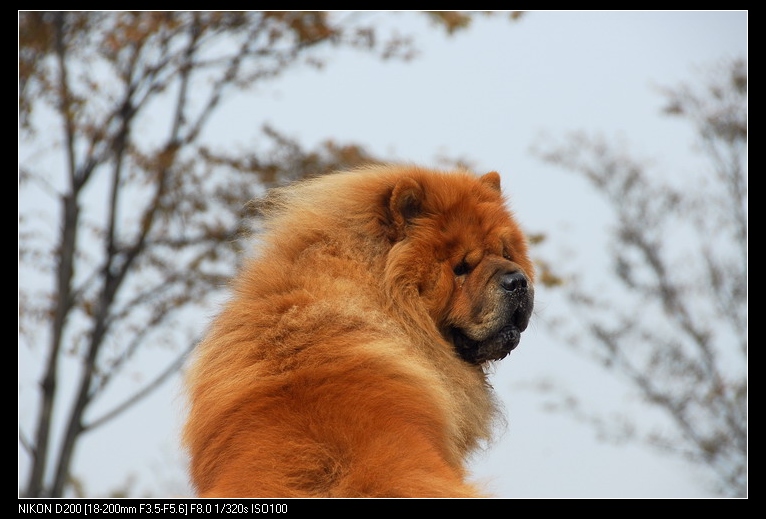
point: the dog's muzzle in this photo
(516, 296)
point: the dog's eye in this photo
(461, 269)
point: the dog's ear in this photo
(404, 204)
(491, 179)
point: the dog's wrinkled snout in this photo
(519, 297)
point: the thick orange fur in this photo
(328, 373)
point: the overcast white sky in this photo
(487, 95)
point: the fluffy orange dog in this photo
(350, 360)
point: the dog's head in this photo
(468, 258)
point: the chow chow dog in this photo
(351, 358)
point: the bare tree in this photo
(679, 246)
(147, 223)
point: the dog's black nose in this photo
(513, 281)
